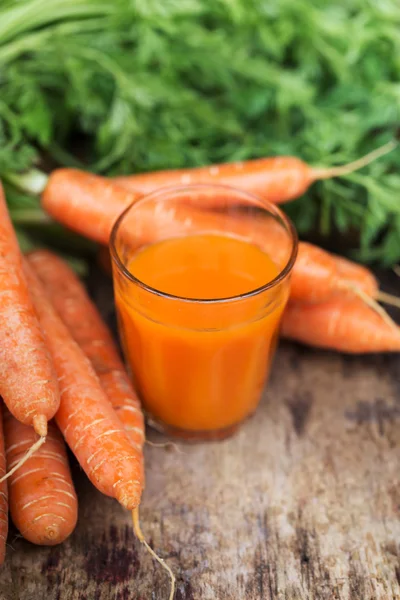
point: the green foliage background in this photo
(136, 85)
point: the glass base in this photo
(192, 436)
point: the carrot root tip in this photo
(52, 534)
(34, 448)
(141, 538)
(165, 445)
(128, 493)
(328, 172)
(388, 299)
(126, 500)
(372, 303)
(39, 423)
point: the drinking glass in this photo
(200, 364)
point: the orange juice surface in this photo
(200, 366)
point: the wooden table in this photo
(303, 504)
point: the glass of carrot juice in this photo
(201, 277)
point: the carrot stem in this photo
(30, 216)
(328, 172)
(33, 182)
(140, 536)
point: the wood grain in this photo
(303, 504)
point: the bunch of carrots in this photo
(75, 388)
(334, 302)
(61, 380)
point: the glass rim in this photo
(261, 203)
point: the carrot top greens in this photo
(129, 86)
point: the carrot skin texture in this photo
(343, 324)
(3, 491)
(83, 321)
(43, 502)
(86, 203)
(86, 418)
(25, 363)
(277, 179)
(314, 275)
(358, 275)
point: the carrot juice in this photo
(199, 323)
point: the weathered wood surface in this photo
(303, 504)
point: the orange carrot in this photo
(89, 423)
(86, 326)
(343, 324)
(315, 277)
(86, 417)
(43, 503)
(28, 383)
(3, 493)
(277, 179)
(86, 203)
(318, 275)
(357, 275)
(90, 206)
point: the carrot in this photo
(28, 383)
(86, 326)
(88, 421)
(3, 493)
(90, 205)
(141, 538)
(343, 324)
(86, 203)
(277, 179)
(43, 502)
(356, 275)
(274, 179)
(85, 417)
(315, 276)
